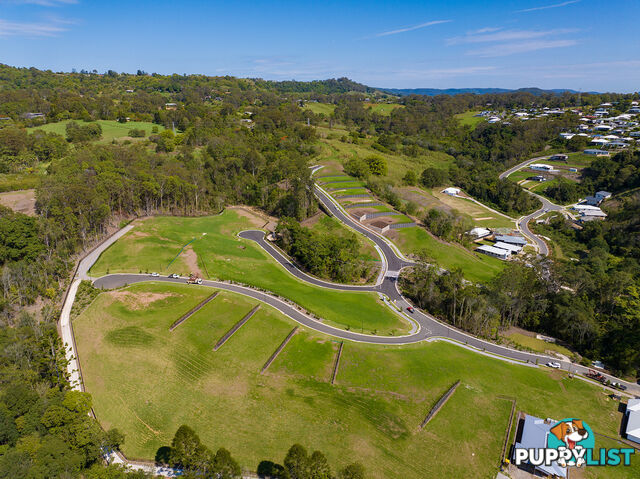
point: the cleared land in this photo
(220, 254)
(111, 129)
(22, 201)
(475, 267)
(469, 118)
(319, 108)
(383, 109)
(146, 382)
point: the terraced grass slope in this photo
(147, 381)
(218, 253)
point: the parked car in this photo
(410, 309)
(155, 275)
(174, 275)
(554, 365)
(619, 386)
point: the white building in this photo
(479, 232)
(451, 191)
(596, 152)
(517, 240)
(541, 167)
(492, 251)
(532, 433)
(633, 420)
(511, 248)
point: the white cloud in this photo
(32, 29)
(557, 5)
(409, 29)
(506, 49)
(499, 35)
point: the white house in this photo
(451, 191)
(479, 232)
(532, 433)
(596, 152)
(511, 248)
(633, 420)
(603, 195)
(600, 141)
(602, 127)
(567, 136)
(541, 167)
(517, 240)
(492, 251)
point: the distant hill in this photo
(477, 91)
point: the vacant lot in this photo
(469, 118)
(22, 201)
(320, 108)
(147, 381)
(221, 254)
(111, 129)
(475, 267)
(383, 109)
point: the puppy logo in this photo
(572, 434)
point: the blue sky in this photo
(579, 44)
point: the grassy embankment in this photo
(147, 382)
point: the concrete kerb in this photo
(383, 238)
(315, 278)
(224, 285)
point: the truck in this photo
(193, 279)
(595, 375)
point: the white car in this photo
(554, 365)
(155, 275)
(174, 276)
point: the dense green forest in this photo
(230, 141)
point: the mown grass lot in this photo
(111, 129)
(384, 109)
(147, 381)
(320, 108)
(538, 344)
(475, 267)
(468, 118)
(152, 244)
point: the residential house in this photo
(633, 420)
(532, 433)
(493, 251)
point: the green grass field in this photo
(220, 254)
(537, 344)
(320, 108)
(111, 129)
(147, 381)
(475, 267)
(468, 118)
(383, 109)
(479, 214)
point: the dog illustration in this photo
(571, 433)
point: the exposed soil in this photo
(191, 260)
(380, 223)
(22, 201)
(137, 301)
(257, 219)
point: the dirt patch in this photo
(191, 260)
(257, 219)
(137, 301)
(484, 218)
(23, 201)
(380, 223)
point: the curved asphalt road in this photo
(523, 223)
(430, 328)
